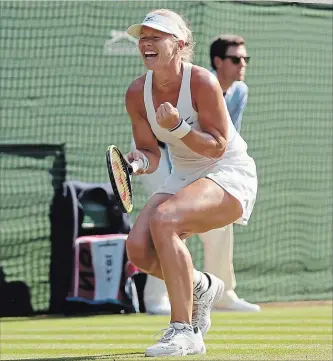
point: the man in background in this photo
(229, 59)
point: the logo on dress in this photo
(186, 120)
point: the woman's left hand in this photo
(167, 116)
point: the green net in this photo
(65, 67)
(30, 174)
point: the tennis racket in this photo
(120, 176)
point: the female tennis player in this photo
(213, 181)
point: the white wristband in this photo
(141, 163)
(145, 162)
(180, 130)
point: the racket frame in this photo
(128, 170)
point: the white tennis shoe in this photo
(231, 303)
(203, 302)
(179, 339)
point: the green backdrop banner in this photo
(65, 67)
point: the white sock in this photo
(200, 282)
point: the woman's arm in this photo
(208, 100)
(144, 138)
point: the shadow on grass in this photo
(109, 357)
(45, 317)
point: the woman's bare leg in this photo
(178, 274)
(201, 206)
(140, 248)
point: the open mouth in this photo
(150, 54)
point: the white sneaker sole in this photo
(177, 353)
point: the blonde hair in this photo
(188, 50)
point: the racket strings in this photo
(120, 175)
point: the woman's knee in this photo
(134, 248)
(164, 222)
(138, 253)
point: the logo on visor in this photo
(149, 18)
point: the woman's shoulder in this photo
(202, 79)
(134, 93)
(137, 85)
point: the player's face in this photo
(157, 48)
(234, 65)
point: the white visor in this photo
(158, 22)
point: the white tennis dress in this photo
(235, 171)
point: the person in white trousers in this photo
(229, 59)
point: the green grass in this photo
(285, 333)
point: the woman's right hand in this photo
(133, 156)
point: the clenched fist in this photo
(167, 116)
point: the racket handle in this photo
(136, 165)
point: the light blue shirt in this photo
(236, 100)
